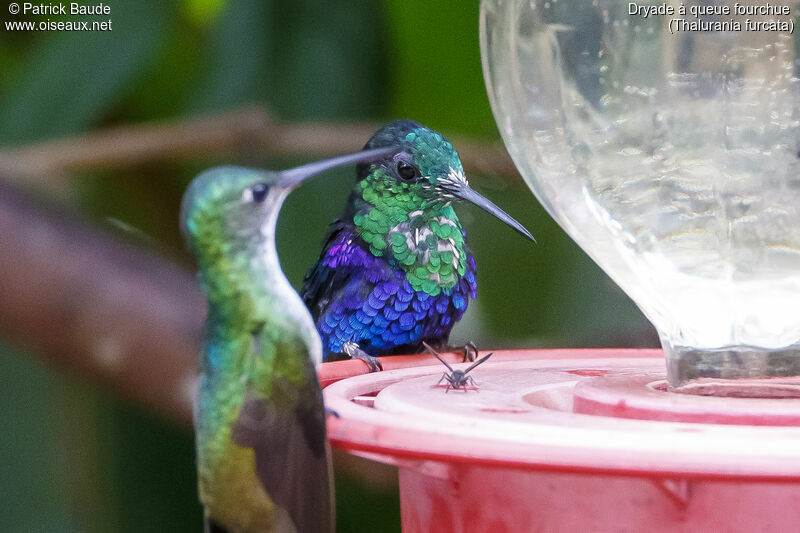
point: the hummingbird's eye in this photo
(407, 171)
(259, 192)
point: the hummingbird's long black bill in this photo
(294, 176)
(465, 192)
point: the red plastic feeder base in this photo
(570, 440)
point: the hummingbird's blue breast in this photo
(357, 296)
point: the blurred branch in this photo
(217, 135)
(125, 318)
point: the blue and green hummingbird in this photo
(262, 456)
(395, 270)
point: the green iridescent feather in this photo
(420, 231)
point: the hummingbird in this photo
(395, 271)
(262, 457)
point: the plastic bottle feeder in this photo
(671, 157)
(571, 440)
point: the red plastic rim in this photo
(541, 436)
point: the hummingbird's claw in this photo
(331, 412)
(373, 363)
(470, 352)
(352, 350)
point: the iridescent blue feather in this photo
(358, 297)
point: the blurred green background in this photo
(74, 458)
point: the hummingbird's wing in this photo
(325, 280)
(286, 430)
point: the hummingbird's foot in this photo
(352, 350)
(469, 350)
(331, 412)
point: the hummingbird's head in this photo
(227, 208)
(425, 172)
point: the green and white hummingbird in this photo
(262, 456)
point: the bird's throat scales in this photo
(423, 238)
